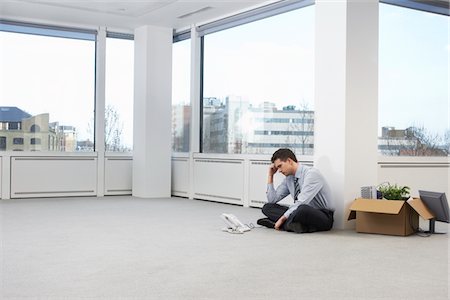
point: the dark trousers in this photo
(312, 219)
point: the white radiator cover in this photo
(53, 176)
(118, 175)
(258, 182)
(1, 179)
(180, 176)
(219, 180)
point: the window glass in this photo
(181, 104)
(258, 86)
(18, 141)
(49, 83)
(414, 106)
(35, 141)
(119, 95)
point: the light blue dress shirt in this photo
(314, 190)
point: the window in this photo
(35, 128)
(57, 66)
(181, 104)
(119, 93)
(17, 141)
(414, 109)
(2, 142)
(257, 78)
(35, 141)
(13, 126)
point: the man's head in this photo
(284, 160)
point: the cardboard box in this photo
(393, 217)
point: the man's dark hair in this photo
(283, 154)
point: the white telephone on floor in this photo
(233, 224)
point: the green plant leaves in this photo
(394, 191)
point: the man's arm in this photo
(273, 196)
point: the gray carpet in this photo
(130, 248)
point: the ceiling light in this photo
(195, 12)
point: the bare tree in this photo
(415, 141)
(446, 142)
(427, 143)
(302, 128)
(113, 130)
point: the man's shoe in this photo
(266, 222)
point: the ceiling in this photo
(125, 15)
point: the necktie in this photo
(296, 189)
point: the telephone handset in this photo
(233, 224)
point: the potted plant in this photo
(394, 191)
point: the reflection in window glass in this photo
(181, 104)
(119, 95)
(259, 86)
(414, 106)
(47, 83)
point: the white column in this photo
(152, 112)
(100, 69)
(346, 103)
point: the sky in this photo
(120, 83)
(269, 60)
(414, 66)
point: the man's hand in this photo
(280, 222)
(272, 171)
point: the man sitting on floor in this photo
(313, 207)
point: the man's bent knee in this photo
(266, 208)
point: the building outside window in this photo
(258, 86)
(181, 103)
(119, 92)
(414, 107)
(57, 66)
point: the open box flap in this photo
(376, 206)
(420, 208)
